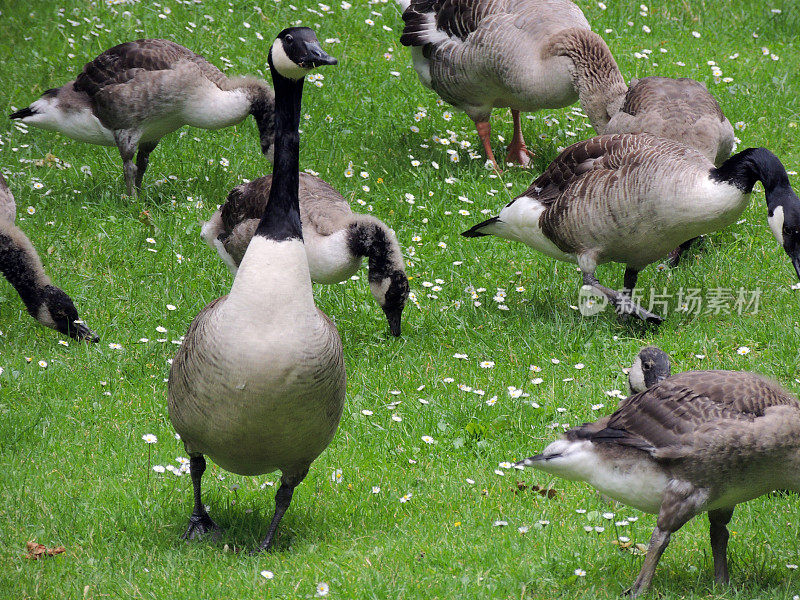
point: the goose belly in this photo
(208, 107)
(631, 478)
(329, 257)
(254, 409)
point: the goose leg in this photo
(681, 502)
(719, 520)
(282, 500)
(629, 281)
(127, 140)
(484, 130)
(674, 257)
(200, 522)
(620, 300)
(142, 160)
(517, 151)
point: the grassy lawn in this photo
(74, 470)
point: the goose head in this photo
(297, 51)
(56, 310)
(391, 293)
(651, 366)
(783, 206)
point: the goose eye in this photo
(288, 39)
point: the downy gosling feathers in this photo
(259, 382)
(21, 265)
(633, 198)
(335, 239)
(695, 442)
(135, 93)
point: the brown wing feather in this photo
(664, 419)
(683, 99)
(121, 64)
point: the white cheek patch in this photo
(285, 65)
(776, 224)
(636, 376)
(379, 289)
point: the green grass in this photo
(75, 471)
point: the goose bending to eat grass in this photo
(633, 198)
(22, 267)
(135, 93)
(259, 382)
(695, 442)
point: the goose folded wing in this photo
(455, 19)
(122, 63)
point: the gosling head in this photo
(296, 51)
(391, 292)
(57, 311)
(651, 366)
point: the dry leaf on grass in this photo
(36, 550)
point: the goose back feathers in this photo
(133, 94)
(678, 109)
(335, 239)
(21, 266)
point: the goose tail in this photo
(488, 227)
(23, 113)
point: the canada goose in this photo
(632, 198)
(678, 109)
(20, 264)
(335, 239)
(698, 441)
(259, 382)
(135, 93)
(487, 54)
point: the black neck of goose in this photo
(749, 166)
(281, 220)
(20, 271)
(372, 241)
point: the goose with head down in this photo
(135, 93)
(335, 239)
(633, 198)
(22, 267)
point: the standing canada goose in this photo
(698, 441)
(20, 264)
(479, 55)
(259, 382)
(135, 93)
(335, 239)
(678, 109)
(633, 198)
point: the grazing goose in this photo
(478, 55)
(633, 198)
(20, 264)
(698, 441)
(335, 239)
(678, 109)
(259, 382)
(135, 93)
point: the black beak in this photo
(82, 333)
(316, 57)
(393, 316)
